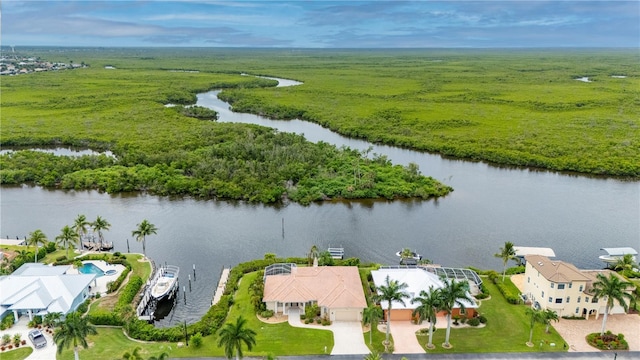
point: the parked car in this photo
(37, 338)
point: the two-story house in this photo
(560, 286)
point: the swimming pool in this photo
(89, 268)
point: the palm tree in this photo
(67, 236)
(135, 355)
(548, 316)
(313, 255)
(233, 335)
(98, 225)
(73, 331)
(163, 356)
(428, 309)
(52, 319)
(613, 289)
(451, 294)
(535, 316)
(391, 291)
(371, 315)
(506, 253)
(144, 228)
(406, 253)
(37, 238)
(80, 225)
(373, 355)
(625, 263)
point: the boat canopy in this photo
(522, 251)
(621, 251)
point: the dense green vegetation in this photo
(163, 151)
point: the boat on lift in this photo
(166, 282)
(413, 254)
(616, 254)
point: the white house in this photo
(39, 289)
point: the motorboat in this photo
(414, 255)
(616, 254)
(166, 282)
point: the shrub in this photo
(6, 338)
(473, 321)
(481, 296)
(267, 314)
(482, 319)
(196, 340)
(515, 270)
(325, 321)
(61, 258)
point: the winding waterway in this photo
(574, 215)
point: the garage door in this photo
(345, 315)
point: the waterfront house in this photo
(562, 287)
(417, 280)
(39, 289)
(337, 290)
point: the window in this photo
(577, 310)
(568, 298)
(542, 294)
(528, 279)
(558, 300)
(578, 298)
(570, 284)
(550, 299)
(552, 285)
(586, 299)
(580, 289)
(560, 286)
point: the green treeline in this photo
(163, 150)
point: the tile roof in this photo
(556, 271)
(330, 286)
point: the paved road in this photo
(622, 355)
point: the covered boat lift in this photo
(522, 251)
(615, 254)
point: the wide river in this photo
(575, 215)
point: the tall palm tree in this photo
(144, 228)
(232, 336)
(430, 303)
(451, 294)
(67, 237)
(548, 316)
(613, 289)
(373, 355)
(52, 319)
(391, 291)
(313, 255)
(535, 316)
(80, 225)
(371, 315)
(37, 238)
(506, 253)
(98, 225)
(73, 331)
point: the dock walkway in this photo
(222, 283)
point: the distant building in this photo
(39, 289)
(560, 286)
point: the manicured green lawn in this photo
(378, 338)
(111, 343)
(507, 330)
(17, 354)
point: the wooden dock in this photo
(222, 283)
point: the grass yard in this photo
(507, 330)
(16, 354)
(378, 338)
(111, 343)
(272, 339)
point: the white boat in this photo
(615, 254)
(414, 255)
(166, 282)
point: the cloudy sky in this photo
(322, 24)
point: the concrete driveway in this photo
(575, 331)
(348, 338)
(404, 337)
(46, 353)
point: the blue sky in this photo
(322, 24)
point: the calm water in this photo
(574, 215)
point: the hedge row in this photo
(508, 295)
